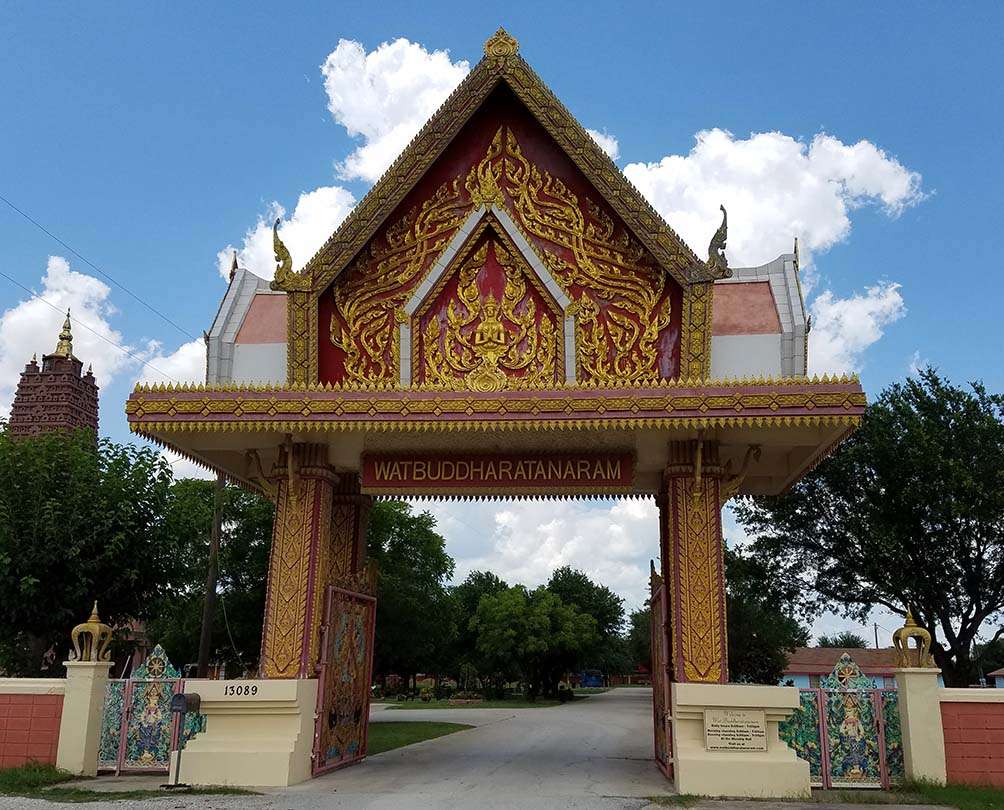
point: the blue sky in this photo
(150, 137)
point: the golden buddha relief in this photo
(474, 340)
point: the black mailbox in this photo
(185, 702)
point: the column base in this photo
(757, 774)
(261, 739)
(80, 722)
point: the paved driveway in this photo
(592, 753)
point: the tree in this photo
(606, 608)
(909, 512)
(846, 640)
(532, 634)
(762, 627)
(243, 574)
(415, 624)
(80, 519)
(639, 637)
(462, 654)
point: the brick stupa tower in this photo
(57, 396)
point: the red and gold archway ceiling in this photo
(490, 324)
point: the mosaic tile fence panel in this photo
(851, 738)
(138, 730)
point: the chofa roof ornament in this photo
(96, 637)
(285, 278)
(717, 263)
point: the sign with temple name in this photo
(735, 730)
(504, 474)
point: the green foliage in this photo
(910, 511)
(846, 639)
(415, 620)
(245, 540)
(761, 628)
(531, 635)
(610, 652)
(639, 638)
(80, 519)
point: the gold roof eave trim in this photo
(669, 249)
(716, 384)
(152, 428)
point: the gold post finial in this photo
(501, 45)
(91, 639)
(65, 346)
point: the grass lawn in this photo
(387, 736)
(955, 796)
(39, 781)
(485, 704)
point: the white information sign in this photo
(735, 730)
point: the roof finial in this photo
(501, 45)
(717, 262)
(65, 346)
(233, 266)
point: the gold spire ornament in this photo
(901, 641)
(65, 346)
(500, 46)
(95, 635)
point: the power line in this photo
(109, 341)
(91, 264)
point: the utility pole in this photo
(212, 572)
(875, 625)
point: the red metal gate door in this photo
(661, 698)
(343, 689)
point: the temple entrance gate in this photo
(661, 697)
(503, 315)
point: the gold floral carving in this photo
(491, 345)
(698, 595)
(621, 298)
(369, 298)
(289, 566)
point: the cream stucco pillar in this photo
(726, 742)
(920, 717)
(258, 733)
(80, 724)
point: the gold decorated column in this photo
(693, 564)
(318, 539)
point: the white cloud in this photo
(607, 142)
(775, 188)
(384, 97)
(32, 327)
(611, 541)
(917, 364)
(184, 365)
(843, 328)
(316, 216)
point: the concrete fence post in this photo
(920, 717)
(80, 724)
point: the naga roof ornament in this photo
(717, 263)
(285, 278)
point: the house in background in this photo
(996, 678)
(806, 665)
